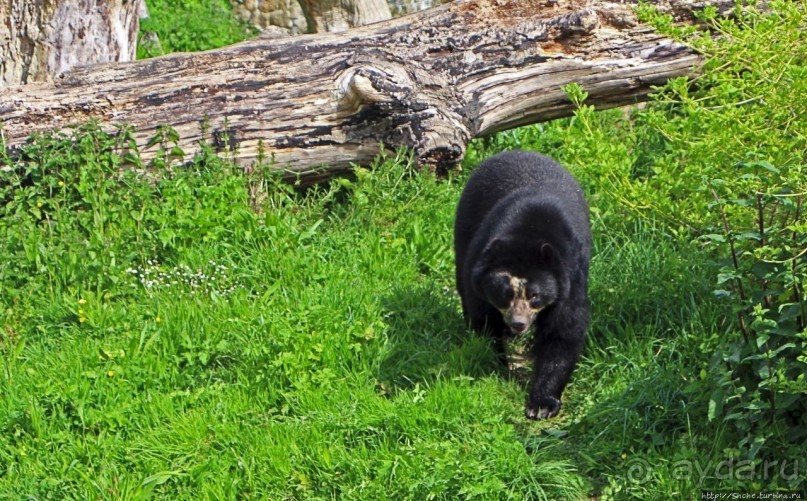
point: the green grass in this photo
(319, 352)
(204, 333)
(190, 25)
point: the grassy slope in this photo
(314, 348)
(328, 357)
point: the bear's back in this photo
(513, 174)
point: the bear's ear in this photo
(547, 252)
(496, 248)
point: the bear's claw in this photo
(543, 408)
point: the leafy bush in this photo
(83, 180)
(735, 170)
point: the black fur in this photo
(523, 215)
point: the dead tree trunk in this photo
(314, 104)
(340, 15)
(42, 38)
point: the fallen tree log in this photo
(314, 104)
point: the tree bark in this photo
(42, 38)
(316, 104)
(340, 15)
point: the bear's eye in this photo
(498, 290)
(535, 300)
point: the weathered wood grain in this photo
(430, 81)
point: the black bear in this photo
(522, 241)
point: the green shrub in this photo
(735, 170)
(88, 215)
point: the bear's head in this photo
(519, 282)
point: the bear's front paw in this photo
(542, 407)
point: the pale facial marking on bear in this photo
(520, 314)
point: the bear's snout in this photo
(518, 326)
(519, 316)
